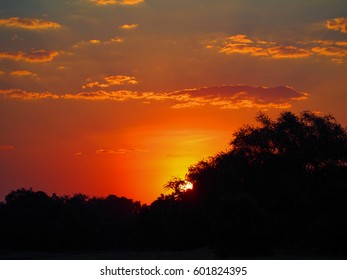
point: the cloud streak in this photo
(120, 151)
(96, 42)
(26, 95)
(6, 147)
(21, 73)
(129, 26)
(113, 81)
(330, 51)
(338, 24)
(238, 96)
(241, 44)
(116, 2)
(223, 97)
(28, 23)
(34, 56)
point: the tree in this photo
(288, 176)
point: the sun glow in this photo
(186, 186)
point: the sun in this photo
(186, 186)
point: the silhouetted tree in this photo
(288, 176)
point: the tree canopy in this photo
(280, 186)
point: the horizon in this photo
(118, 97)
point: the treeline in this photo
(32, 220)
(279, 192)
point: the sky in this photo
(119, 96)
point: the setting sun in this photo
(186, 186)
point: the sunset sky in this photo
(119, 96)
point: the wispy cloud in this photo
(238, 96)
(6, 147)
(21, 73)
(120, 151)
(287, 52)
(26, 95)
(240, 38)
(34, 56)
(120, 95)
(223, 97)
(130, 2)
(129, 26)
(241, 44)
(96, 42)
(28, 23)
(242, 49)
(116, 2)
(330, 51)
(115, 40)
(330, 43)
(103, 151)
(338, 24)
(336, 50)
(112, 81)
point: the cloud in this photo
(341, 43)
(323, 42)
(28, 23)
(115, 40)
(223, 97)
(129, 151)
(120, 80)
(94, 41)
(337, 60)
(116, 2)
(288, 52)
(112, 81)
(6, 147)
(102, 151)
(241, 44)
(35, 56)
(25, 95)
(128, 26)
(277, 52)
(97, 42)
(330, 43)
(338, 24)
(334, 49)
(21, 73)
(120, 95)
(239, 96)
(330, 51)
(120, 151)
(130, 2)
(240, 38)
(241, 48)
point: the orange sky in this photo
(119, 96)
